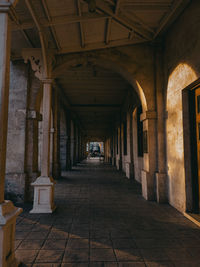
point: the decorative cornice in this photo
(34, 56)
(47, 80)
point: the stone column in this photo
(161, 175)
(31, 155)
(119, 166)
(129, 163)
(150, 154)
(8, 212)
(75, 146)
(44, 185)
(68, 159)
(56, 139)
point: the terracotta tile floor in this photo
(102, 220)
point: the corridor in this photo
(102, 220)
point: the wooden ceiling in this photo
(69, 25)
(94, 94)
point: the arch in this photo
(180, 77)
(106, 63)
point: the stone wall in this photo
(15, 163)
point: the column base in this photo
(113, 161)
(8, 215)
(129, 170)
(161, 187)
(147, 185)
(43, 195)
(119, 164)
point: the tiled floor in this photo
(102, 220)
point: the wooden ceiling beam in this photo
(146, 6)
(175, 10)
(97, 46)
(46, 10)
(108, 30)
(82, 37)
(15, 18)
(61, 20)
(127, 23)
(117, 6)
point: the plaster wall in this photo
(182, 64)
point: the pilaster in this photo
(150, 154)
(8, 212)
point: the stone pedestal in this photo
(161, 180)
(113, 161)
(119, 164)
(8, 214)
(43, 195)
(129, 170)
(147, 185)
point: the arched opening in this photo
(182, 76)
(97, 89)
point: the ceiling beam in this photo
(15, 18)
(117, 6)
(59, 20)
(108, 30)
(46, 10)
(82, 37)
(102, 45)
(127, 23)
(146, 6)
(175, 10)
(131, 15)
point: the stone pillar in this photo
(161, 175)
(56, 137)
(31, 156)
(150, 154)
(75, 145)
(68, 159)
(129, 163)
(119, 165)
(44, 185)
(8, 212)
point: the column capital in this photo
(5, 6)
(47, 80)
(149, 114)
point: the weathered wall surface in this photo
(182, 65)
(15, 176)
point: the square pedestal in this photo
(147, 185)
(129, 170)
(43, 195)
(8, 215)
(161, 187)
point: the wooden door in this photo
(197, 110)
